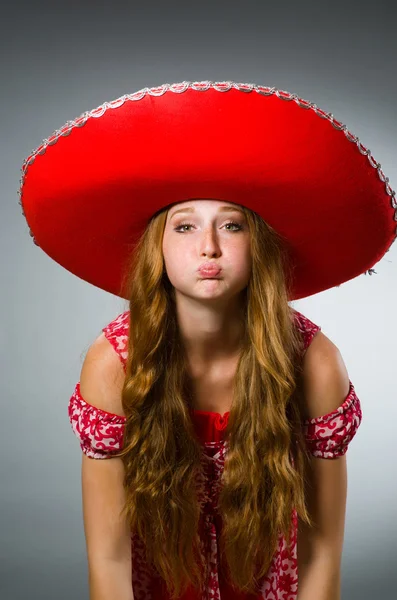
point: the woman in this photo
(227, 341)
(215, 400)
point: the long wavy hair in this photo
(265, 464)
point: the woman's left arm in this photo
(319, 549)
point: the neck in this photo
(210, 335)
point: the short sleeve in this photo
(116, 332)
(306, 327)
(100, 432)
(328, 436)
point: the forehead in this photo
(199, 205)
(197, 202)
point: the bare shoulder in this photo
(102, 376)
(325, 377)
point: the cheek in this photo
(241, 262)
(239, 254)
(175, 258)
(242, 270)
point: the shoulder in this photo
(325, 378)
(116, 332)
(102, 376)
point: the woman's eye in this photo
(191, 225)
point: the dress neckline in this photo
(210, 412)
(206, 420)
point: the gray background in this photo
(61, 59)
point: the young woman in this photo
(225, 412)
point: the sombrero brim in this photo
(89, 190)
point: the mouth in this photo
(210, 273)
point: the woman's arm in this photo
(109, 580)
(108, 538)
(319, 549)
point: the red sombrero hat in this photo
(89, 190)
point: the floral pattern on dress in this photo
(101, 434)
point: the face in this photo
(207, 231)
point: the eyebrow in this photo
(191, 209)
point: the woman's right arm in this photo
(108, 538)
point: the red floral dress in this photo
(101, 434)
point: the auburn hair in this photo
(265, 465)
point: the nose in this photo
(209, 244)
